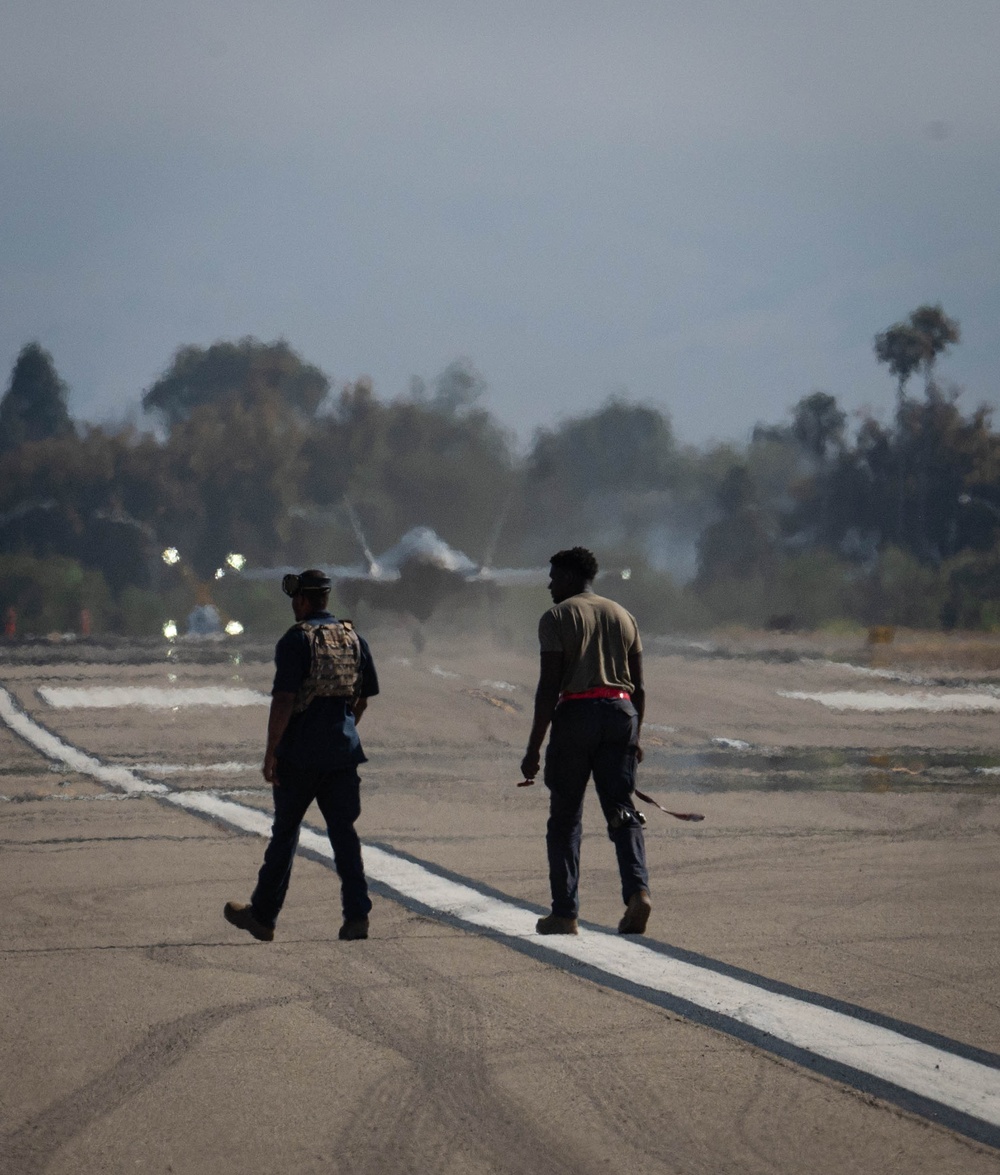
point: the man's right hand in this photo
(282, 704)
(530, 764)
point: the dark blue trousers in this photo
(592, 736)
(338, 794)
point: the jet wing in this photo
(510, 576)
(371, 575)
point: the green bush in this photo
(728, 600)
(901, 591)
(259, 605)
(813, 589)
(50, 594)
(141, 613)
(655, 600)
(803, 591)
(973, 599)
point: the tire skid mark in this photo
(29, 1148)
(147, 948)
(612, 1099)
(100, 840)
(446, 1096)
(400, 1107)
(100, 797)
(757, 1105)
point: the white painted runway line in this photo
(151, 697)
(77, 760)
(880, 702)
(887, 1060)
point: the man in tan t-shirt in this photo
(590, 691)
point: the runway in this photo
(924, 1064)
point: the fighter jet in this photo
(414, 576)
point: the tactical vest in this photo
(335, 670)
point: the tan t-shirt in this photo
(595, 637)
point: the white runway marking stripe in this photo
(936, 1074)
(881, 702)
(77, 760)
(151, 697)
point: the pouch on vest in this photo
(335, 666)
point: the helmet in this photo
(305, 581)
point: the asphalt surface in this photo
(851, 854)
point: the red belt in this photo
(601, 691)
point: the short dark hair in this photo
(577, 559)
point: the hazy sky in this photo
(710, 206)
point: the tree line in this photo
(249, 448)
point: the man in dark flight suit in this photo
(324, 676)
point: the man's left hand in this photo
(270, 769)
